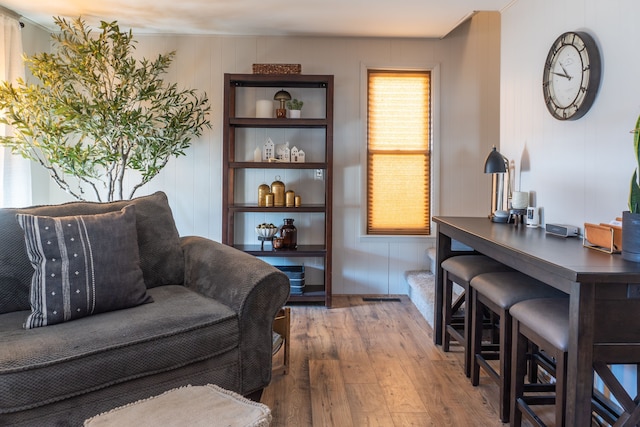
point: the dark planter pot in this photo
(631, 236)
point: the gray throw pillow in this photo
(161, 257)
(84, 264)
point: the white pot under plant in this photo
(294, 106)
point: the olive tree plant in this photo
(97, 112)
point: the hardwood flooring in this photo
(365, 363)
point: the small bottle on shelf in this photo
(289, 234)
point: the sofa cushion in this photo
(161, 257)
(84, 264)
(43, 365)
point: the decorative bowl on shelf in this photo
(266, 230)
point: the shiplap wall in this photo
(579, 170)
(35, 40)
(467, 125)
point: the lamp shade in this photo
(495, 162)
(282, 95)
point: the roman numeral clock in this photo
(571, 75)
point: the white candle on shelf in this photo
(264, 108)
(257, 155)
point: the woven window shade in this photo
(398, 147)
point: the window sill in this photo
(369, 238)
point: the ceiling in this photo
(356, 18)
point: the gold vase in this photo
(277, 188)
(263, 190)
(290, 198)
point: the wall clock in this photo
(571, 75)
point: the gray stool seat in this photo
(507, 288)
(466, 267)
(548, 318)
(498, 292)
(545, 324)
(461, 269)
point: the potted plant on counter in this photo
(631, 218)
(294, 106)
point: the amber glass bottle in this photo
(289, 234)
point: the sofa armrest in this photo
(251, 287)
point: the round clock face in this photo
(571, 76)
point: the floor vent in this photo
(381, 299)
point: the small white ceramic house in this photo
(297, 156)
(283, 152)
(268, 151)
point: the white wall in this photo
(580, 170)
(36, 40)
(468, 125)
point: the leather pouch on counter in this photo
(603, 237)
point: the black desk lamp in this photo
(498, 166)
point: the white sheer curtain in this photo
(15, 171)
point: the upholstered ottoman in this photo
(192, 406)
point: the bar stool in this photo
(461, 269)
(545, 323)
(498, 292)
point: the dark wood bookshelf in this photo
(255, 208)
(313, 292)
(301, 251)
(246, 122)
(277, 165)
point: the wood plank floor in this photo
(365, 363)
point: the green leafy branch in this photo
(98, 112)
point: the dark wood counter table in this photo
(604, 291)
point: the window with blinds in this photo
(398, 153)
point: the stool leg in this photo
(446, 309)
(505, 365)
(468, 312)
(495, 334)
(638, 378)
(561, 394)
(476, 335)
(533, 364)
(518, 372)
